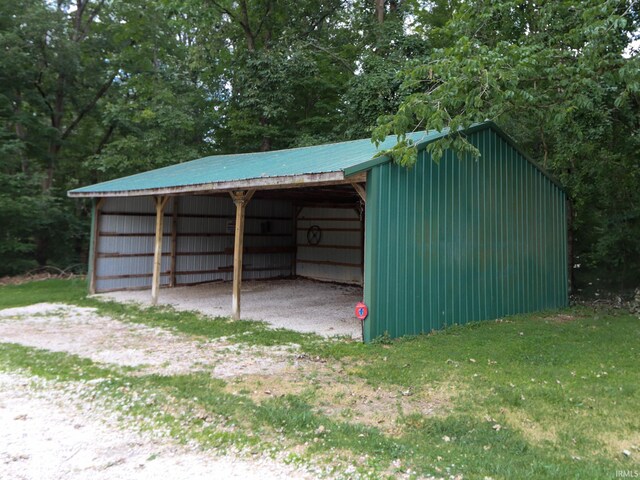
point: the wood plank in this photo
(189, 284)
(127, 255)
(229, 268)
(294, 237)
(164, 254)
(193, 215)
(157, 257)
(328, 262)
(362, 233)
(131, 275)
(249, 184)
(341, 247)
(333, 229)
(240, 199)
(348, 205)
(330, 219)
(174, 240)
(256, 250)
(362, 192)
(94, 248)
(192, 234)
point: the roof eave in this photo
(266, 183)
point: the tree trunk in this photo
(56, 122)
(21, 132)
(266, 141)
(380, 10)
(246, 26)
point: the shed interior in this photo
(308, 233)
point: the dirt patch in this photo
(615, 444)
(81, 331)
(343, 398)
(46, 436)
(38, 275)
(533, 431)
(301, 305)
(563, 318)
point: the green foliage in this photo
(36, 226)
(560, 78)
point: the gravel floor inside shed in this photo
(303, 305)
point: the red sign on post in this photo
(362, 311)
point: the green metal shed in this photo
(463, 241)
(444, 243)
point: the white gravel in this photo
(81, 331)
(45, 437)
(302, 305)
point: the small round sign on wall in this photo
(362, 311)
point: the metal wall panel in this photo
(338, 256)
(127, 261)
(215, 242)
(204, 241)
(462, 240)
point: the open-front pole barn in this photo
(433, 245)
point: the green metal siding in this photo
(462, 240)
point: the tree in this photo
(560, 78)
(81, 83)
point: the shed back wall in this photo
(338, 255)
(462, 240)
(204, 241)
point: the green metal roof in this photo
(333, 162)
(344, 157)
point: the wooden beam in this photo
(95, 235)
(240, 199)
(174, 241)
(362, 191)
(262, 183)
(160, 202)
(329, 262)
(294, 264)
(362, 233)
(193, 215)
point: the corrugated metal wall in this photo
(204, 241)
(462, 240)
(125, 244)
(338, 255)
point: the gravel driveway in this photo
(49, 433)
(46, 435)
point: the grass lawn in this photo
(547, 395)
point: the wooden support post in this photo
(160, 202)
(93, 250)
(174, 241)
(362, 227)
(240, 199)
(361, 189)
(294, 258)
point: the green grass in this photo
(549, 395)
(52, 291)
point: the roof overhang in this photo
(266, 183)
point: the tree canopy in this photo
(561, 77)
(95, 89)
